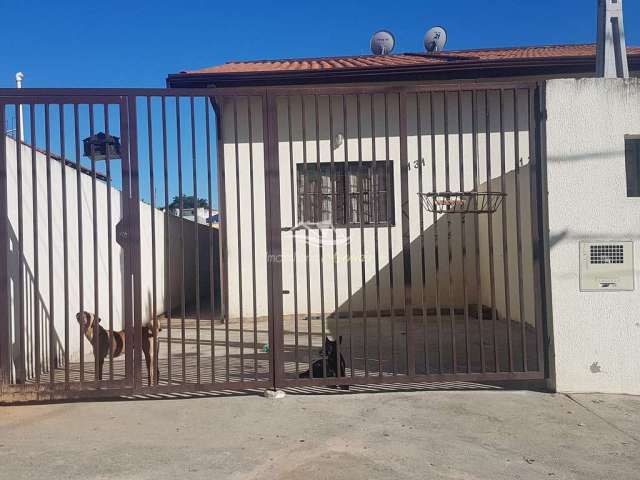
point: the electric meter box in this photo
(606, 266)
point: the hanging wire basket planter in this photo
(462, 202)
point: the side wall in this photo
(39, 299)
(596, 335)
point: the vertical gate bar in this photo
(463, 233)
(406, 234)
(181, 239)
(167, 242)
(294, 238)
(212, 279)
(436, 249)
(239, 231)
(128, 140)
(492, 276)
(134, 245)
(97, 374)
(109, 238)
(516, 129)
(253, 242)
(222, 244)
(320, 246)
(536, 105)
(153, 377)
(425, 319)
(65, 243)
(391, 206)
(505, 247)
(36, 255)
(196, 237)
(79, 201)
(348, 217)
(476, 227)
(52, 345)
(274, 239)
(447, 176)
(362, 243)
(5, 355)
(21, 368)
(305, 196)
(376, 206)
(334, 211)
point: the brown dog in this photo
(102, 346)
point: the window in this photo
(360, 193)
(632, 154)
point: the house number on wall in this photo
(416, 164)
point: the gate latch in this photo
(121, 234)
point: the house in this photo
(201, 214)
(351, 142)
(466, 216)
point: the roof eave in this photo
(449, 71)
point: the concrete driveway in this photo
(414, 435)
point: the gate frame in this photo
(130, 172)
(129, 240)
(537, 202)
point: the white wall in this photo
(239, 185)
(596, 335)
(39, 299)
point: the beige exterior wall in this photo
(595, 334)
(239, 250)
(39, 299)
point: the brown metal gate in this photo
(370, 286)
(259, 238)
(113, 205)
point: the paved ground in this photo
(421, 435)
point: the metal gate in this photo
(113, 205)
(405, 223)
(258, 238)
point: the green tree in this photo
(189, 202)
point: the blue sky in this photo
(137, 43)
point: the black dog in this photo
(329, 356)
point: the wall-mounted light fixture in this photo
(338, 140)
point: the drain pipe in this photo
(19, 78)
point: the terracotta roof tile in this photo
(407, 59)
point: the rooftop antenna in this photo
(382, 42)
(19, 78)
(611, 58)
(435, 39)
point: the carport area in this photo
(435, 435)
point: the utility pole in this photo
(611, 58)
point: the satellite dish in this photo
(435, 39)
(382, 42)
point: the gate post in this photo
(274, 238)
(133, 246)
(540, 225)
(129, 238)
(4, 250)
